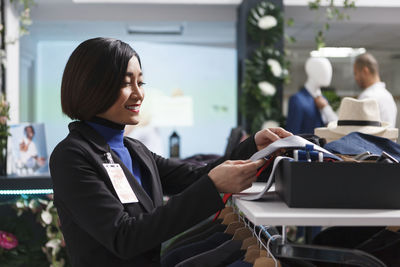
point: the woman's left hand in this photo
(265, 137)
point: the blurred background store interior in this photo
(189, 48)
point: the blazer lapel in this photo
(146, 161)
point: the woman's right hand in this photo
(234, 176)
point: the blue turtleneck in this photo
(113, 133)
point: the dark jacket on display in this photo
(101, 231)
(303, 115)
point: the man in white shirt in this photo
(366, 74)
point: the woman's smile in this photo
(134, 108)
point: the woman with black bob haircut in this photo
(108, 189)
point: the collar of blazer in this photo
(98, 143)
(145, 158)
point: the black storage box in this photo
(339, 185)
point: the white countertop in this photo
(271, 210)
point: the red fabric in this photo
(229, 195)
(224, 199)
(266, 164)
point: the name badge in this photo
(120, 183)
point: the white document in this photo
(258, 194)
(120, 183)
(293, 141)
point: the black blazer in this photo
(101, 231)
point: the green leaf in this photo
(314, 5)
(319, 39)
(290, 22)
(290, 39)
(329, 13)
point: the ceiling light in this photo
(337, 52)
(184, 2)
(161, 29)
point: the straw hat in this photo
(357, 116)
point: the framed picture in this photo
(27, 150)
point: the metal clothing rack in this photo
(282, 249)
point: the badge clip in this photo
(109, 157)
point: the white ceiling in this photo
(205, 24)
(371, 27)
(185, 2)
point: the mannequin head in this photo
(319, 71)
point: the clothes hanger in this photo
(254, 254)
(243, 232)
(393, 228)
(225, 211)
(254, 247)
(250, 240)
(255, 251)
(311, 252)
(234, 222)
(232, 227)
(273, 237)
(257, 248)
(266, 262)
(230, 217)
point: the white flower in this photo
(46, 217)
(270, 124)
(275, 67)
(255, 14)
(59, 263)
(266, 88)
(54, 244)
(50, 205)
(42, 201)
(261, 10)
(285, 72)
(20, 204)
(32, 204)
(267, 22)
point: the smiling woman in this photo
(108, 189)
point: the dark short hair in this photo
(26, 128)
(93, 77)
(369, 61)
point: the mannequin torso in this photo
(304, 107)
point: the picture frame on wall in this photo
(27, 150)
